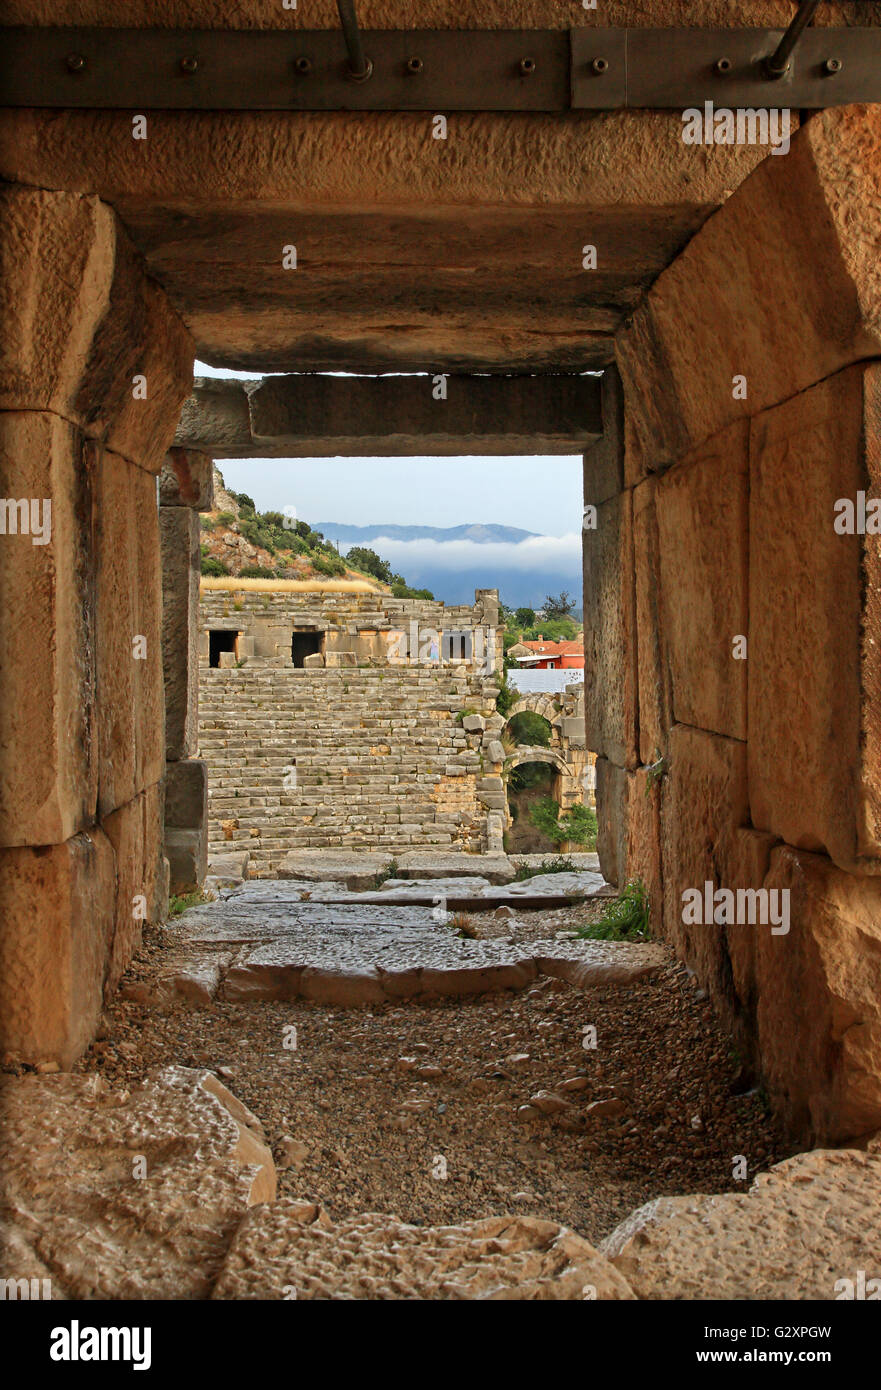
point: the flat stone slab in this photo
(291, 1249)
(358, 870)
(800, 1230)
(357, 953)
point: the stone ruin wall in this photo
(361, 752)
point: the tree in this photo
(244, 501)
(362, 558)
(525, 617)
(559, 607)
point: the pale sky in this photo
(542, 494)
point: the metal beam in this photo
(318, 416)
(435, 70)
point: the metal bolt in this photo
(303, 65)
(189, 65)
(364, 76)
(723, 65)
(415, 65)
(527, 66)
(75, 62)
(600, 65)
(832, 66)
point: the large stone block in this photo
(604, 460)
(179, 537)
(57, 912)
(48, 764)
(187, 854)
(610, 634)
(136, 833)
(612, 822)
(653, 676)
(703, 518)
(705, 801)
(130, 696)
(140, 368)
(815, 623)
(186, 794)
(56, 268)
(742, 299)
(187, 480)
(81, 320)
(819, 999)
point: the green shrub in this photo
(257, 572)
(212, 567)
(578, 826)
(329, 564)
(625, 919)
(531, 728)
(224, 519)
(558, 865)
(206, 523)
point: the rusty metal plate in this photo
(305, 70)
(434, 70)
(677, 68)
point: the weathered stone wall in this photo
(715, 510)
(95, 366)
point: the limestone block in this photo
(705, 801)
(702, 510)
(227, 661)
(610, 634)
(572, 729)
(474, 723)
(187, 854)
(612, 822)
(245, 646)
(105, 1233)
(313, 661)
(644, 858)
(48, 764)
(604, 460)
(130, 695)
(186, 793)
(819, 999)
(187, 480)
(653, 677)
(495, 752)
(58, 914)
(179, 540)
(136, 833)
(56, 267)
(801, 1229)
(140, 367)
(815, 623)
(745, 861)
(710, 317)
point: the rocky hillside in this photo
(238, 540)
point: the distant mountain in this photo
(490, 559)
(480, 533)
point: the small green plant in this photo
(179, 903)
(557, 865)
(237, 605)
(625, 919)
(655, 773)
(390, 871)
(224, 519)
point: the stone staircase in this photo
(366, 758)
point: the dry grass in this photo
(287, 586)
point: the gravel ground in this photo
(413, 1109)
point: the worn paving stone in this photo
(355, 953)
